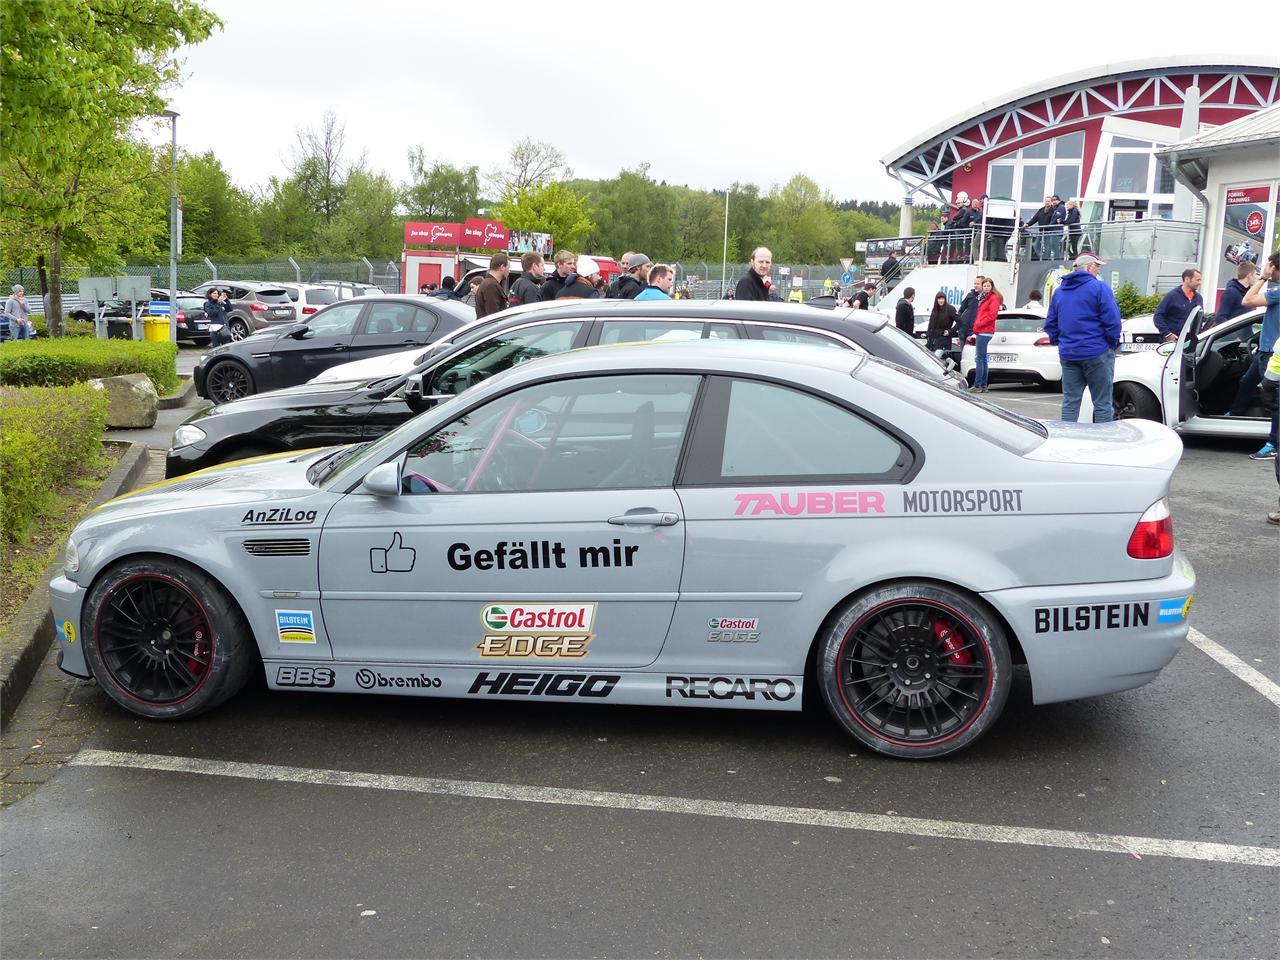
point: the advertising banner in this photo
(485, 234)
(523, 241)
(1244, 224)
(432, 234)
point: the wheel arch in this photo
(123, 558)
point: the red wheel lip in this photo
(213, 641)
(986, 697)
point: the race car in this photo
(707, 523)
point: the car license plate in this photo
(1002, 357)
(281, 311)
(1134, 347)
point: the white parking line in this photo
(1254, 678)
(756, 812)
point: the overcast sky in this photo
(705, 93)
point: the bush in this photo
(47, 435)
(64, 361)
(1132, 303)
(70, 328)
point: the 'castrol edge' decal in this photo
(826, 503)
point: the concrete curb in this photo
(182, 397)
(26, 640)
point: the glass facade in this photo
(1030, 174)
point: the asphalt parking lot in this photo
(1144, 824)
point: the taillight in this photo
(309, 310)
(972, 340)
(1043, 342)
(182, 316)
(258, 307)
(1152, 538)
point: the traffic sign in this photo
(846, 278)
(158, 308)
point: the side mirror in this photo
(383, 480)
(414, 386)
(300, 333)
(1166, 349)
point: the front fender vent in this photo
(186, 486)
(278, 548)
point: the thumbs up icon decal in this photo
(393, 559)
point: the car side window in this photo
(722, 331)
(424, 321)
(758, 432)
(385, 318)
(645, 331)
(502, 351)
(337, 321)
(589, 433)
(791, 335)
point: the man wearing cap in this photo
(1084, 323)
(491, 295)
(627, 286)
(1171, 315)
(755, 283)
(18, 312)
(580, 284)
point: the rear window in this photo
(321, 296)
(273, 295)
(1019, 324)
(190, 303)
(919, 359)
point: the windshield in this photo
(922, 361)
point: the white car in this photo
(1019, 351)
(1189, 385)
(1139, 333)
(347, 289)
(308, 298)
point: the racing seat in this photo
(637, 466)
(1210, 393)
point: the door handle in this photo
(339, 346)
(645, 517)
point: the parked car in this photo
(348, 289)
(710, 524)
(322, 413)
(1190, 385)
(296, 352)
(255, 305)
(1019, 351)
(308, 298)
(1139, 333)
(190, 319)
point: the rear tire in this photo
(164, 639)
(915, 670)
(1133, 402)
(239, 329)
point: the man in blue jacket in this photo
(1084, 323)
(1171, 314)
(1232, 303)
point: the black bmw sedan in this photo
(347, 330)
(323, 414)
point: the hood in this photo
(303, 393)
(1076, 279)
(264, 482)
(1121, 443)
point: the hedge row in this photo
(47, 435)
(64, 361)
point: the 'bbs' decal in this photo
(279, 515)
(304, 677)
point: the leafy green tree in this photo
(632, 212)
(286, 220)
(747, 215)
(219, 220)
(319, 169)
(802, 218)
(366, 224)
(76, 75)
(703, 226)
(531, 164)
(553, 208)
(440, 191)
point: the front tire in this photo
(915, 670)
(1133, 402)
(239, 329)
(165, 640)
(228, 380)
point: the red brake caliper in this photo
(195, 666)
(948, 638)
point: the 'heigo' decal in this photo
(810, 503)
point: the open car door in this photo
(1177, 381)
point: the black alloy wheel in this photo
(164, 640)
(228, 380)
(916, 671)
(1134, 403)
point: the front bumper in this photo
(67, 600)
(179, 461)
(1084, 640)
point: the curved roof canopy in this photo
(1131, 88)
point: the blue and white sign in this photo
(158, 308)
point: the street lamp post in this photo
(173, 224)
(724, 254)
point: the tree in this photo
(318, 167)
(218, 219)
(554, 209)
(531, 163)
(76, 75)
(440, 191)
(633, 212)
(703, 222)
(803, 220)
(286, 219)
(366, 224)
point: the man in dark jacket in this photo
(1171, 314)
(1084, 324)
(864, 296)
(1232, 303)
(627, 286)
(904, 314)
(448, 290)
(1037, 226)
(889, 271)
(755, 283)
(528, 286)
(554, 283)
(1057, 228)
(611, 291)
(968, 312)
(491, 295)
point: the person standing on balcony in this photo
(889, 271)
(1171, 315)
(984, 328)
(1071, 220)
(1084, 323)
(1037, 225)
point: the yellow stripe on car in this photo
(216, 468)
